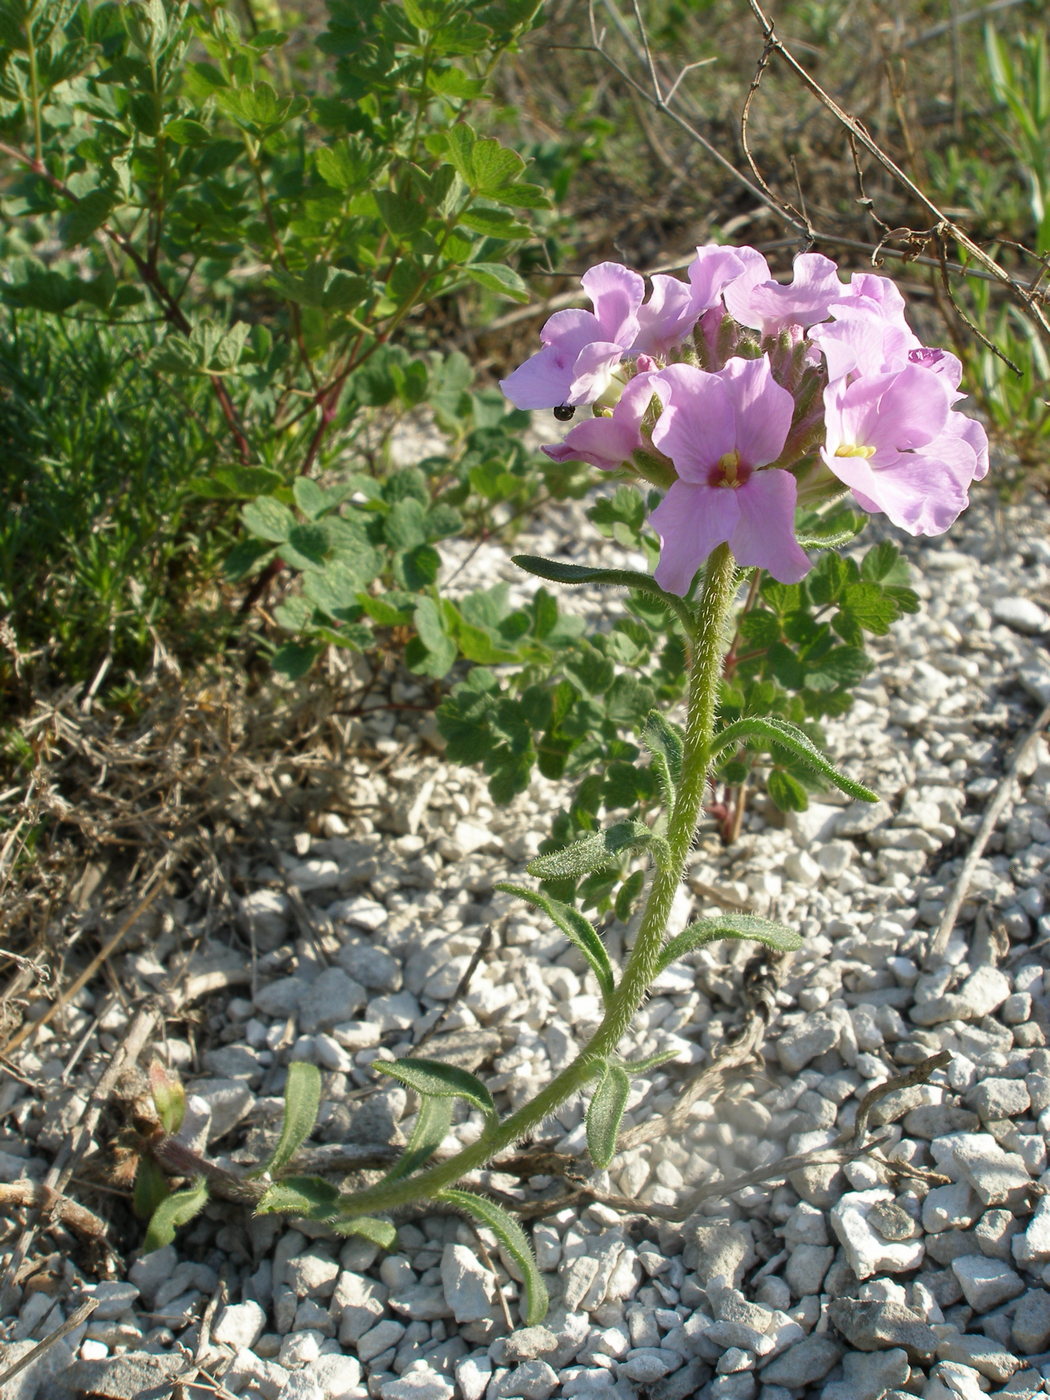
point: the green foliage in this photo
(513, 1239)
(798, 653)
(302, 1099)
(259, 234)
(605, 1113)
(103, 548)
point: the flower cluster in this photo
(745, 397)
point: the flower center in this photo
(729, 471)
(852, 449)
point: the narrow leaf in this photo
(596, 852)
(730, 926)
(432, 1123)
(604, 1113)
(311, 1197)
(302, 1099)
(178, 1209)
(789, 736)
(650, 1062)
(431, 1078)
(576, 928)
(513, 1239)
(558, 572)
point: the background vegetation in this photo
(244, 243)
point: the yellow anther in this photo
(854, 450)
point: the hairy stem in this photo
(642, 965)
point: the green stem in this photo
(642, 965)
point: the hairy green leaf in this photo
(433, 1079)
(432, 1124)
(730, 926)
(605, 1112)
(576, 928)
(513, 1239)
(177, 1209)
(311, 1197)
(302, 1099)
(596, 852)
(778, 731)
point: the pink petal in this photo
(666, 319)
(542, 381)
(698, 424)
(691, 520)
(763, 410)
(765, 535)
(770, 307)
(608, 442)
(714, 267)
(594, 368)
(616, 293)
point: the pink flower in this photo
(870, 335)
(581, 349)
(894, 441)
(720, 430)
(756, 300)
(608, 442)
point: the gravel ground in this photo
(905, 1252)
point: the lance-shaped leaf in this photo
(513, 1239)
(432, 1079)
(650, 1062)
(597, 852)
(576, 928)
(302, 1099)
(432, 1123)
(380, 1232)
(788, 736)
(730, 925)
(666, 743)
(557, 572)
(177, 1209)
(311, 1197)
(605, 1112)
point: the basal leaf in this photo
(437, 1080)
(730, 926)
(380, 1232)
(513, 1239)
(788, 736)
(576, 928)
(605, 1113)
(311, 1197)
(302, 1100)
(177, 1209)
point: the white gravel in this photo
(921, 1270)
